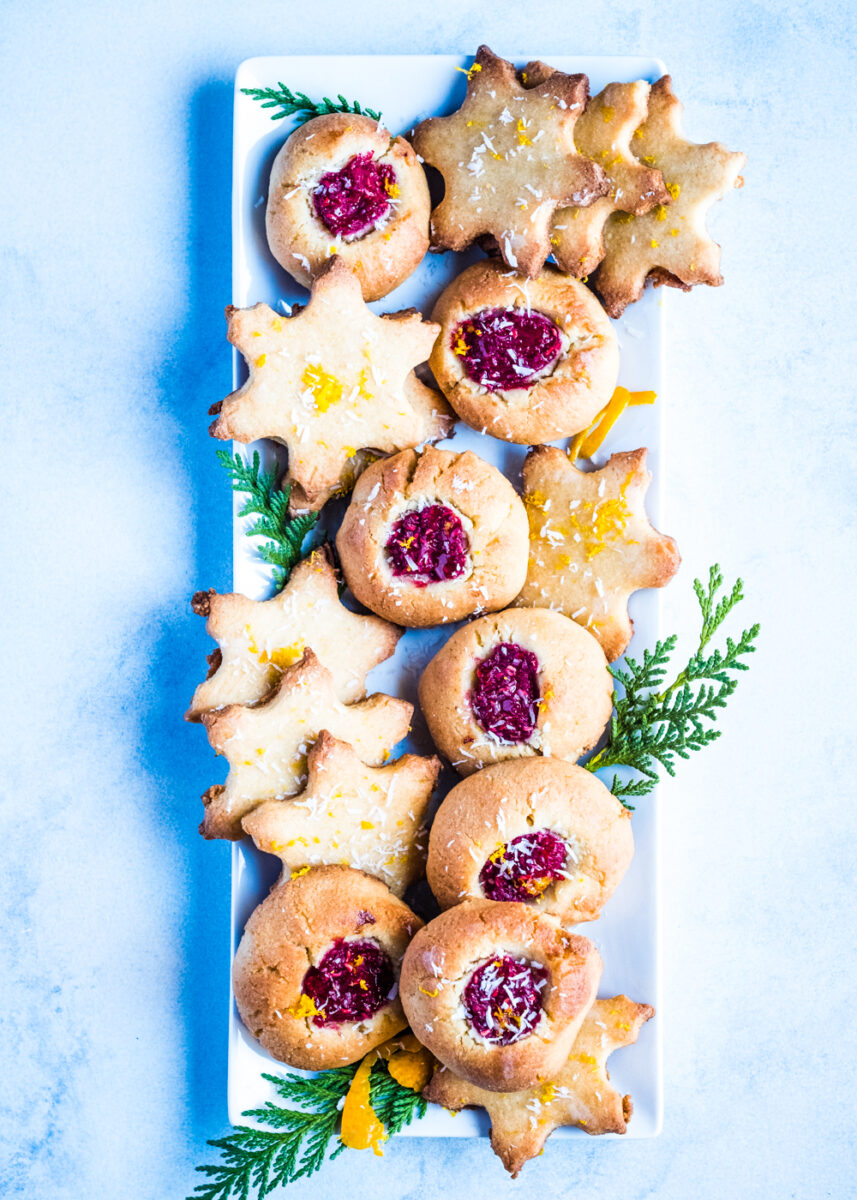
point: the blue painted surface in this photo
(115, 267)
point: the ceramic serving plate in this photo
(405, 89)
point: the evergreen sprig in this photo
(258, 1160)
(395, 1106)
(287, 535)
(653, 725)
(299, 105)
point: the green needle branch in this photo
(287, 535)
(255, 1160)
(653, 724)
(299, 105)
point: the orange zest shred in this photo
(326, 389)
(306, 1006)
(360, 1125)
(283, 656)
(589, 440)
(597, 522)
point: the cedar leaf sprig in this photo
(394, 1105)
(652, 724)
(299, 105)
(256, 1161)
(285, 547)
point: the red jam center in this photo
(428, 545)
(352, 200)
(524, 867)
(503, 999)
(352, 981)
(504, 347)
(505, 696)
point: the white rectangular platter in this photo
(406, 89)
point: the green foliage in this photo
(299, 105)
(287, 535)
(395, 1106)
(653, 725)
(256, 1161)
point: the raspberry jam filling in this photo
(505, 696)
(350, 201)
(525, 867)
(352, 981)
(503, 999)
(428, 545)
(505, 347)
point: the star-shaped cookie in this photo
(603, 133)
(581, 1094)
(365, 817)
(257, 639)
(508, 160)
(591, 543)
(266, 746)
(670, 244)
(331, 380)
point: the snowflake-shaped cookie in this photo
(365, 817)
(591, 543)
(670, 244)
(257, 639)
(331, 380)
(266, 746)
(603, 133)
(581, 1094)
(508, 160)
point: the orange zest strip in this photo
(360, 1126)
(589, 440)
(409, 1063)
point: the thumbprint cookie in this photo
(497, 992)
(316, 974)
(516, 684)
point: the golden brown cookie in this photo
(497, 992)
(591, 543)
(603, 133)
(316, 973)
(670, 244)
(266, 746)
(516, 684)
(256, 639)
(524, 360)
(370, 818)
(540, 831)
(342, 184)
(508, 161)
(331, 380)
(581, 1094)
(433, 537)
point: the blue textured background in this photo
(115, 269)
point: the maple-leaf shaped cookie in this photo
(266, 746)
(257, 639)
(331, 380)
(670, 244)
(591, 543)
(581, 1094)
(364, 817)
(603, 133)
(508, 161)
